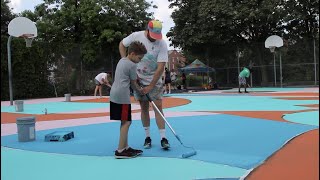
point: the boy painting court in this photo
(120, 105)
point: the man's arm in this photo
(122, 50)
(106, 82)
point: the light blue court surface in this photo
(270, 89)
(55, 107)
(310, 118)
(227, 146)
(47, 166)
(239, 103)
(220, 139)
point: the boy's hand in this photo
(141, 92)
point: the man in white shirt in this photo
(100, 79)
(149, 72)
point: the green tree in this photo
(216, 29)
(89, 31)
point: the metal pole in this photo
(274, 68)
(238, 55)
(9, 69)
(315, 61)
(280, 70)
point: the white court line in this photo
(11, 128)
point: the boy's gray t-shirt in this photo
(125, 72)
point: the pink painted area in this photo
(46, 100)
(11, 128)
(99, 110)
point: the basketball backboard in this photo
(273, 41)
(22, 27)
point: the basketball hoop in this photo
(28, 38)
(272, 48)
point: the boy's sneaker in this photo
(147, 143)
(246, 92)
(164, 143)
(137, 151)
(125, 154)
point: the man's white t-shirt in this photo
(101, 76)
(156, 52)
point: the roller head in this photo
(189, 154)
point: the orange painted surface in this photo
(268, 115)
(311, 105)
(11, 117)
(287, 94)
(297, 160)
(299, 98)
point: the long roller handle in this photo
(186, 155)
(155, 106)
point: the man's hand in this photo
(147, 89)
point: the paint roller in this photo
(185, 155)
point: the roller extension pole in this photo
(185, 155)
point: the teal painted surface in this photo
(27, 165)
(240, 103)
(309, 118)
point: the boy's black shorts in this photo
(120, 111)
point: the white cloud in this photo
(16, 5)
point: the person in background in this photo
(245, 73)
(100, 79)
(184, 79)
(173, 76)
(167, 81)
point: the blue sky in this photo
(163, 13)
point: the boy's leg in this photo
(123, 140)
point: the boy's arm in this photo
(135, 86)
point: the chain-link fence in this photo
(302, 74)
(48, 70)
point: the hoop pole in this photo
(315, 61)
(280, 70)
(238, 56)
(9, 69)
(274, 69)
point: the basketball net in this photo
(272, 48)
(28, 38)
